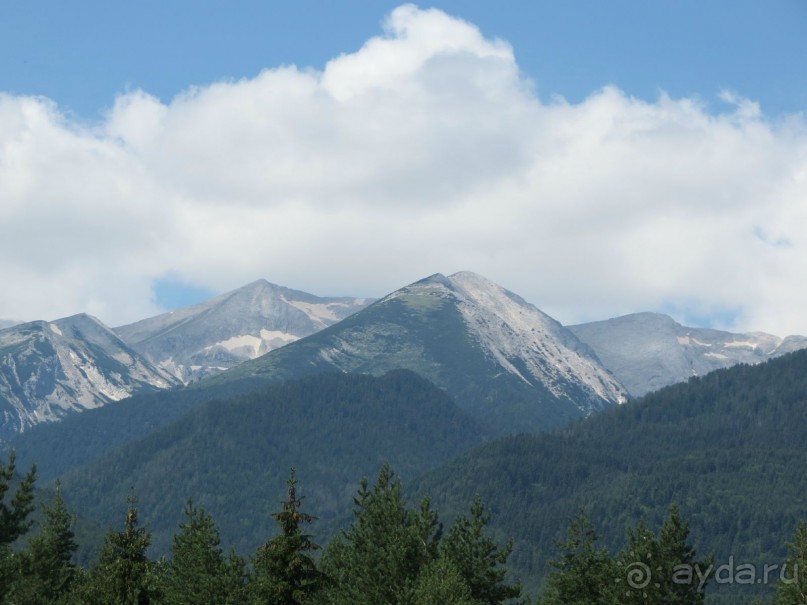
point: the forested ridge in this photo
(393, 552)
(699, 474)
(231, 456)
(727, 448)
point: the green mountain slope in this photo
(79, 439)
(233, 456)
(502, 360)
(498, 357)
(729, 448)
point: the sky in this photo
(595, 158)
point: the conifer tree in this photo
(285, 571)
(480, 562)
(792, 587)
(585, 574)
(124, 574)
(441, 582)
(677, 557)
(14, 520)
(662, 569)
(199, 572)
(46, 567)
(379, 558)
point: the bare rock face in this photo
(204, 339)
(497, 356)
(51, 369)
(648, 351)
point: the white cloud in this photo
(426, 150)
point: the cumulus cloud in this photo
(426, 150)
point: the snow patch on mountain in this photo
(325, 314)
(207, 338)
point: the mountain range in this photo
(725, 447)
(50, 369)
(648, 351)
(502, 359)
(436, 377)
(233, 455)
(210, 337)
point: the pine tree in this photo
(662, 569)
(585, 574)
(199, 572)
(480, 562)
(792, 587)
(640, 571)
(124, 574)
(285, 572)
(441, 582)
(380, 557)
(677, 558)
(14, 520)
(46, 566)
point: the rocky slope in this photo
(218, 334)
(498, 356)
(648, 351)
(50, 369)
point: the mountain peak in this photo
(436, 278)
(647, 351)
(259, 285)
(50, 369)
(469, 276)
(209, 337)
(511, 364)
(80, 319)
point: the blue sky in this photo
(597, 158)
(81, 54)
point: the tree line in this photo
(392, 553)
(726, 447)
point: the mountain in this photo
(50, 369)
(233, 456)
(500, 358)
(7, 323)
(728, 448)
(80, 439)
(647, 351)
(212, 336)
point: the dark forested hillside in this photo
(80, 439)
(729, 448)
(233, 456)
